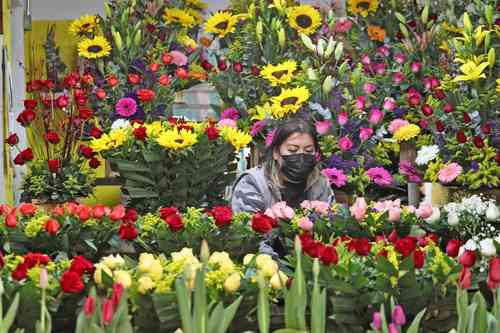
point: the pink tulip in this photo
(305, 224)
(398, 315)
(360, 102)
(323, 126)
(345, 143)
(394, 214)
(389, 104)
(358, 210)
(369, 88)
(377, 321)
(342, 118)
(365, 133)
(375, 116)
(393, 328)
(399, 57)
(320, 207)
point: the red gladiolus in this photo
(486, 129)
(62, 101)
(427, 110)
(127, 231)
(100, 94)
(478, 142)
(166, 58)
(405, 246)
(448, 108)
(86, 151)
(71, 282)
(80, 265)
(52, 137)
(465, 278)
(328, 255)
(255, 70)
(466, 118)
(26, 117)
(117, 213)
(181, 73)
(94, 163)
(452, 248)
(440, 126)
(134, 78)
(12, 140)
(461, 138)
(96, 132)
(145, 95)
(222, 215)
(418, 259)
(89, 306)
(11, 219)
(154, 67)
(468, 258)
(212, 133)
(52, 226)
(53, 165)
(107, 311)
(238, 68)
(30, 104)
(174, 222)
(112, 80)
(140, 133)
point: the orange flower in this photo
(376, 33)
(205, 41)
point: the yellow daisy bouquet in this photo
(173, 162)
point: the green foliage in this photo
(7, 320)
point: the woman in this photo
(290, 172)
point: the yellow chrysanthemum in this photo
(114, 139)
(154, 129)
(471, 71)
(175, 15)
(94, 48)
(279, 74)
(175, 139)
(186, 41)
(304, 19)
(221, 23)
(84, 25)
(289, 101)
(197, 3)
(407, 132)
(362, 7)
(237, 138)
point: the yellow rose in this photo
(113, 261)
(248, 258)
(278, 280)
(270, 268)
(226, 267)
(156, 270)
(145, 262)
(218, 258)
(262, 259)
(123, 277)
(145, 284)
(98, 272)
(232, 283)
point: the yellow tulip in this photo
(123, 277)
(232, 283)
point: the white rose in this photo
(488, 247)
(492, 213)
(453, 219)
(436, 214)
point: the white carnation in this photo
(120, 123)
(427, 154)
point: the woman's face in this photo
(297, 143)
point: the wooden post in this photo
(408, 152)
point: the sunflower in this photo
(84, 25)
(175, 139)
(185, 40)
(362, 7)
(94, 48)
(305, 19)
(376, 33)
(198, 16)
(197, 3)
(175, 15)
(237, 138)
(289, 101)
(279, 74)
(221, 23)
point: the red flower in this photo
(11, 219)
(96, 132)
(181, 73)
(328, 255)
(85, 113)
(427, 110)
(361, 246)
(206, 65)
(468, 258)
(174, 222)
(262, 223)
(145, 95)
(33, 259)
(212, 133)
(27, 209)
(112, 80)
(87, 79)
(84, 213)
(222, 65)
(418, 259)
(486, 129)
(62, 101)
(100, 94)
(440, 126)
(461, 138)
(94, 163)
(130, 215)
(238, 68)
(167, 211)
(452, 248)
(86, 151)
(466, 118)
(117, 213)
(26, 117)
(127, 231)
(134, 78)
(89, 306)
(2, 262)
(393, 236)
(497, 157)
(154, 67)
(310, 246)
(108, 310)
(164, 80)
(30, 104)
(52, 137)
(12, 140)
(99, 211)
(34, 85)
(116, 296)
(414, 99)
(166, 58)
(255, 70)
(27, 154)
(48, 84)
(439, 94)
(140, 133)
(494, 273)
(18, 160)
(222, 215)
(71, 282)
(448, 108)
(71, 80)
(465, 278)
(20, 272)
(81, 265)
(54, 165)
(52, 226)
(478, 142)
(58, 211)
(405, 246)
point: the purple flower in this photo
(335, 176)
(399, 112)
(230, 113)
(338, 162)
(398, 315)
(126, 107)
(257, 127)
(379, 176)
(474, 165)
(407, 169)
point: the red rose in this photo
(52, 226)
(12, 140)
(328, 255)
(440, 126)
(52, 137)
(94, 163)
(62, 101)
(134, 78)
(27, 154)
(212, 133)
(86, 151)
(405, 246)
(222, 215)
(100, 94)
(418, 259)
(34, 85)
(465, 278)
(427, 110)
(164, 80)
(145, 95)
(154, 67)
(84, 213)
(71, 282)
(20, 272)
(466, 118)
(255, 70)
(30, 104)
(99, 211)
(96, 132)
(18, 160)
(461, 138)
(112, 80)
(414, 99)
(486, 129)
(494, 273)
(11, 219)
(85, 113)
(26, 117)
(310, 246)
(48, 84)
(27, 209)
(448, 108)
(71, 80)
(238, 68)
(452, 248)
(33, 259)
(130, 215)
(166, 58)
(222, 65)
(468, 258)
(181, 73)
(174, 222)
(262, 223)
(140, 133)
(478, 142)
(87, 79)
(117, 213)
(167, 211)
(54, 165)
(127, 231)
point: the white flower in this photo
(492, 213)
(436, 214)
(488, 247)
(470, 245)
(453, 218)
(120, 123)
(426, 154)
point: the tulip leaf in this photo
(414, 327)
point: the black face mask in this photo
(297, 167)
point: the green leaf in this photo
(229, 314)
(480, 318)
(416, 322)
(184, 301)
(137, 177)
(10, 316)
(124, 165)
(137, 192)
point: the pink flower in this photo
(360, 102)
(305, 224)
(400, 57)
(394, 214)
(393, 328)
(397, 124)
(379, 68)
(365, 59)
(398, 78)
(365, 133)
(358, 210)
(377, 321)
(379, 176)
(343, 25)
(178, 58)
(335, 176)
(416, 66)
(398, 315)
(323, 126)
(375, 116)
(126, 107)
(320, 207)
(227, 122)
(230, 113)
(389, 104)
(383, 51)
(257, 127)
(280, 210)
(342, 118)
(345, 143)
(270, 137)
(369, 88)
(449, 173)
(425, 210)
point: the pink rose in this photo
(323, 126)
(365, 133)
(306, 204)
(280, 210)
(320, 207)
(358, 210)
(375, 116)
(425, 210)
(345, 143)
(369, 88)
(342, 118)
(394, 214)
(449, 173)
(305, 224)
(389, 104)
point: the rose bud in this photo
(52, 137)
(452, 248)
(112, 80)
(166, 58)
(255, 70)
(461, 138)
(94, 163)
(440, 126)
(53, 165)
(134, 78)
(427, 110)
(181, 73)
(12, 140)
(486, 129)
(238, 68)
(52, 226)
(164, 80)
(96, 132)
(206, 65)
(222, 65)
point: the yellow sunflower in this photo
(175, 15)
(93, 48)
(197, 3)
(305, 19)
(362, 7)
(175, 139)
(221, 23)
(289, 101)
(86, 24)
(279, 74)
(237, 138)
(198, 16)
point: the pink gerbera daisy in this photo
(449, 173)
(335, 176)
(379, 176)
(126, 107)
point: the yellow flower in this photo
(262, 259)
(480, 35)
(86, 24)
(362, 7)
(232, 283)
(99, 268)
(123, 278)
(117, 137)
(149, 265)
(376, 33)
(498, 85)
(112, 261)
(289, 101)
(185, 254)
(198, 16)
(279, 74)
(278, 280)
(259, 112)
(304, 19)
(94, 48)
(186, 41)
(238, 139)
(450, 28)
(471, 71)
(221, 23)
(145, 284)
(154, 129)
(175, 15)
(175, 139)
(197, 3)
(269, 268)
(444, 47)
(248, 258)
(407, 132)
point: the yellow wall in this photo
(7, 167)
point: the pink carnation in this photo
(342, 118)
(397, 124)
(449, 173)
(126, 107)
(323, 126)
(389, 104)
(379, 176)
(335, 176)
(227, 122)
(343, 25)
(375, 116)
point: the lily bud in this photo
(467, 23)
(330, 47)
(320, 48)
(281, 37)
(138, 38)
(107, 9)
(488, 13)
(298, 246)
(307, 42)
(205, 252)
(327, 85)
(316, 267)
(339, 49)
(491, 57)
(258, 31)
(118, 40)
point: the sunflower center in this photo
(289, 100)
(363, 5)
(179, 140)
(222, 25)
(85, 26)
(95, 49)
(304, 21)
(279, 74)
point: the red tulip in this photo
(89, 306)
(468, 258)
(465, 278)
(11, 219)
(52, 226)
(108, 310)
(12, 140)
(53, 165)
(452, 248)
(494, 273)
